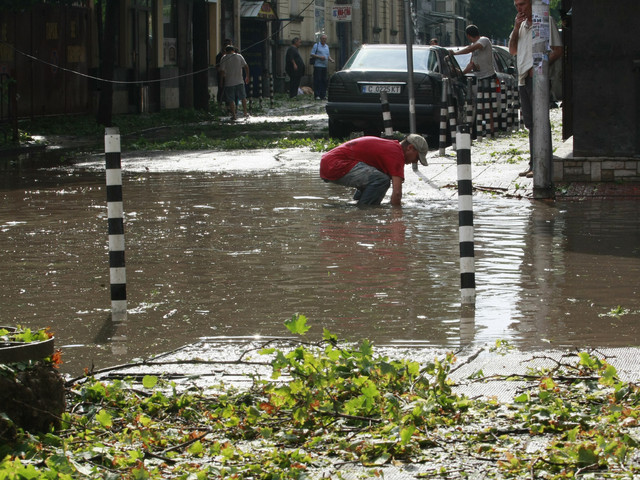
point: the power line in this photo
(138, 82)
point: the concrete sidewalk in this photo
(479, 372)
(497, 162)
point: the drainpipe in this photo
(541, 149)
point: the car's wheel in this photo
(338, 129)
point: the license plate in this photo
(381, 88)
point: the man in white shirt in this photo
(481, 54)
(231, 67)
(521, 44)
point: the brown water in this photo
(238, 252)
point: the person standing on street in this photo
(481, 63)
(294, 66)
(320, 52)
(372, 164)
(232, 66)
(481, 52)
(521, 44)
(221, 53)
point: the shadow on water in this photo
(227, 253)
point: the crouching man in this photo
(372, 164)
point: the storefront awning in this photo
(259, 9)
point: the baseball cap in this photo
(420, 144)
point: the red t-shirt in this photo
(385, 155)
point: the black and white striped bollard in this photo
(271, 92)
(486, 85)
(495, 119)
(452, 116)
(443, 118)
(465, 216)
(479, 110)
(115, 214)
(386, 115)
(469, 101)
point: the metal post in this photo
(465, 216)
(541, 134)
(408, 28)
(115, 214)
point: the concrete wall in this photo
(606, 81)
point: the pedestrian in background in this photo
(320, 52)
(481, 52)
(232, 65)
(521, 44)
(221, 53)
(372, 164)
(294, 66)
(433, 41)
(481, 63)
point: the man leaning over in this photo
(372, 164)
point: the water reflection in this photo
(226, 253)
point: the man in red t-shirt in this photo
(372, 164)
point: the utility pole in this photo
(408, 38)
(541, 149)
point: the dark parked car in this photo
(354, 92)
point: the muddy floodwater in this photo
(234, 244)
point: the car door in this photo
(457, 79)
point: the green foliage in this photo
(329, 404)
(186, 129)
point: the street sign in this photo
(341, 13)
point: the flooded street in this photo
(235, 243)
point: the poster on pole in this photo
(341, 13)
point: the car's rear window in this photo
(392, 59)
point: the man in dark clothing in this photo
(294, 66)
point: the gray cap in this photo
(420, 144)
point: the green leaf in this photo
(297, 324)
(406, 433)
(327, 336)
(104, 418)
(586, 456)
(149, 381)
(195, 448)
